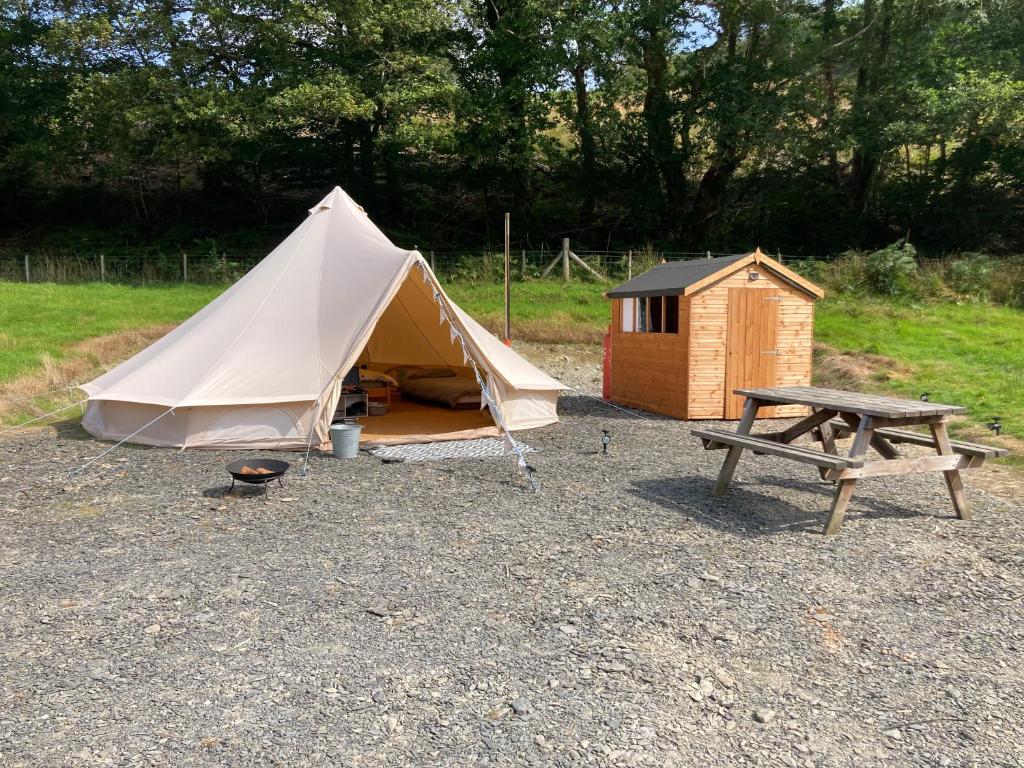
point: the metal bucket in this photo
(345, 440)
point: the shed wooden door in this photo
(750, 345)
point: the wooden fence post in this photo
(523, 256)
(508, 280)
(565, 259)
(587, 267)
(184, 267)
(28, 274)
(433, 267)
(629, 264)
(103, 268)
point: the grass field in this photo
(968, 354)
(39, 320)
(541, 311)
(960, 353)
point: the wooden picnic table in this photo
(873, 420)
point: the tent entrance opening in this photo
(434, 394)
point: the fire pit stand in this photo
(276, 469)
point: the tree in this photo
(501, 57)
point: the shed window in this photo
(671, 314)
(628, 315)
(655, 314)
(655, 306)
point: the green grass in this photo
(46, 319)
(562, 307)
(966, 354)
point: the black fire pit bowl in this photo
(277, 469)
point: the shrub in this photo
(812, 269)
(846, 274)
(892, 270)
(970, 275)
(1006, 283)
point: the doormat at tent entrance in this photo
(483, 448)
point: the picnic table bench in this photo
(872, 420)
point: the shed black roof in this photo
(672, 277)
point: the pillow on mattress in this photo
(401, 372)
(439, 372)
(375, 377)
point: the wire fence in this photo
(61, 267)
(478, 265)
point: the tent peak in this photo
(333, 198)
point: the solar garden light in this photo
(995, 425)
(924, 397)
(605, 439)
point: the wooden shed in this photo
(685, 334)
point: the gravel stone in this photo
(521, 706)
(724, 678)
(908, 620)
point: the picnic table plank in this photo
(919, 438)
(733, 456)
(851, 402)
(761, 445)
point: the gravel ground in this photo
(440, 614)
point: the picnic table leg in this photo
(828, 443)
(954, 483)
(844, 488)
(885, 450)
(750, 408)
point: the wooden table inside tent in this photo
(381, 394)
(874, 421)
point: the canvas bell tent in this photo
(262, 366)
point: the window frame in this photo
(638, 315)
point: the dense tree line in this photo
(802, 125)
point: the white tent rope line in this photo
(309, 443)
(492, 405)
(44, 416)
(30, 398)
(610, 404)
(118, 444)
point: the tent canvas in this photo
(262, 365)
